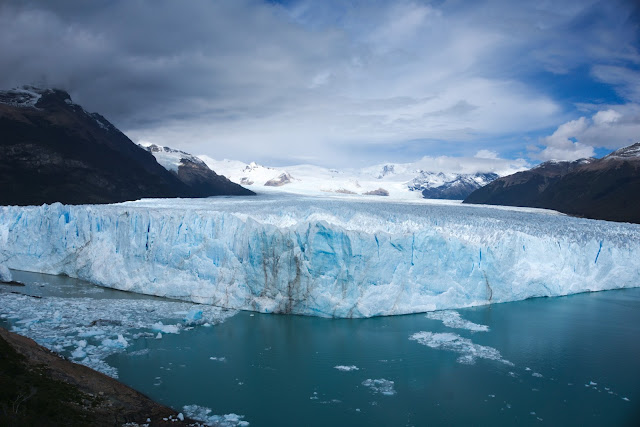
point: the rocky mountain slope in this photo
(605, 188)
(194, 172)
(52, 150)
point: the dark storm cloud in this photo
(160, 57)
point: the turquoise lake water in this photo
(571, 360)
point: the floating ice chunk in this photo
(78, 353)
(92, 332)
(167, 329)
(454, 342)
(625, 398)
(193, 316)
(381, 385)
(218, 359)
(592, 383)
(452, 319)
(120, 342)
(346, 368)
(536, 374)
(5, 274)
(203, 414)
(159, 336)
(527, 369)
(180, 416)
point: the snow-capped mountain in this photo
(630, 152)
(396, 180)
(449, 185)
(194, 172)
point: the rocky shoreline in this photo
(42, 388)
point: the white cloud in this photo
(611, 128)
(486, 154)
(606, 118)
(472, 165)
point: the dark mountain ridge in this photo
(606, 188)
(52, 150)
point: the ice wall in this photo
(322, 257)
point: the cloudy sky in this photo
(340, 83)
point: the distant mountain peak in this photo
(449, 186)
(193, 171)
(23, 97)
(629, 152)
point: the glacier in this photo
(322, 256)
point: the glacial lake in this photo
(571, 360)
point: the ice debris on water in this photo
(218, 359)
(381, 386)
(452, 319)
(203, 414)
(469, 351)
(345, 368)
(537, 375)
(89, 330)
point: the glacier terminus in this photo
(330, 257)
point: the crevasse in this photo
(322, 257)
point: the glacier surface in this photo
(323, 256)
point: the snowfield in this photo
(399, 181)
(323, 256)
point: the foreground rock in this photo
(40, 388)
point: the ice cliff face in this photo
(5, 274)
(322, 257)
